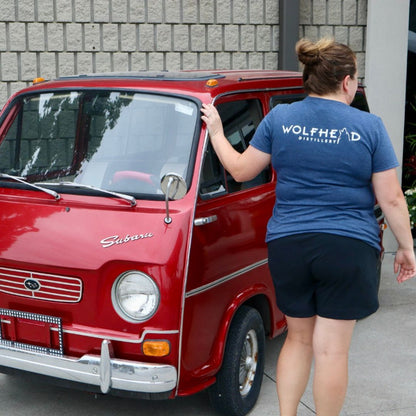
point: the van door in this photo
(228, 257)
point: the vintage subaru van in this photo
(130, 261)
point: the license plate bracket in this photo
(52, 323)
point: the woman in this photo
(331, 161)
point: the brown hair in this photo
(326, 64)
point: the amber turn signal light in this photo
(156, 348)
(38, 80)
(211, 83)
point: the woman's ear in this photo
(346, 83)
(349, 88)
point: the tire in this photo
(239, 380)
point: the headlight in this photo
(135, 296)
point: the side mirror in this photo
(174, 187)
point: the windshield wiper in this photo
(31, 185)
(129, 198)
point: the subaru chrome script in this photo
(116, 240)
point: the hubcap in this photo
(248, 362)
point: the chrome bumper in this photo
(98, 370)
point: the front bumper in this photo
(98, 370)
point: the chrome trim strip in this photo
(224, 279)
(119, 339)
(96, 370)
(105, 336)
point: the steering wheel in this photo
(129, 178)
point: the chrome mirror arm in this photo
(168, 219)
(174, 187)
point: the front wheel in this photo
(239, 380)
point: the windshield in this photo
(118, 141)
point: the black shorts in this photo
(324, 274)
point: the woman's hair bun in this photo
(311, 53)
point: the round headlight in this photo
(135, 296)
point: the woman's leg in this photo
(331, 343)
(294, 364)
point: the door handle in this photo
(205, 220)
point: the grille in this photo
(40, 286)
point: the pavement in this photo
(382, 373)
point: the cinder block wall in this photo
(345, 20)
(52, 38)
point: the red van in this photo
(130, 261)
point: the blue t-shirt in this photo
(324, 153)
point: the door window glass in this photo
(240, 120)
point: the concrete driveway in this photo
(382, 373)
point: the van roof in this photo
(190, 75)
(199, 83)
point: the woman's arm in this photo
(390, 197)
(242, 166)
